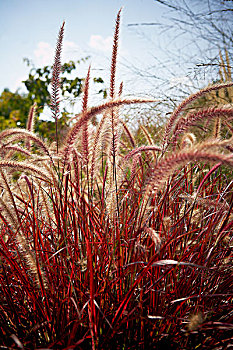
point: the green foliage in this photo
(48, 128)
(14, 107)
(39, 80)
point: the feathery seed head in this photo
(188, 140)
(114, 55)
(56, 75)
(195, 321)
(155, 237)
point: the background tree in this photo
(14, 107)
(191, 35)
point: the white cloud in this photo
(44, 52)
(18, 84)
(97, 42)
(46, 115)
(71, 51)
(70, 46)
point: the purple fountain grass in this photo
(228, 126)
(143, 276)
(114, 121)
(55, 99)
(31, 118)
(141, 149)
(25, 166)
(129, 134)
(217, 128)
(164, 168)
(192, 118)
(8, 216)
(149, 140)
(91, 112)
(31, 122)
(120, 89)
(123, 163)
(56, 75)
(21, 134)
(114, 56)
(13, 149)
(185, 103)
(101, 135)
(85, 134)
(156, 273)
(9, 192)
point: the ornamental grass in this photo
(109, 244)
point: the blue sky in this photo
(146, 65)
(29, 29)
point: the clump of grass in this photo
(104, 246)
